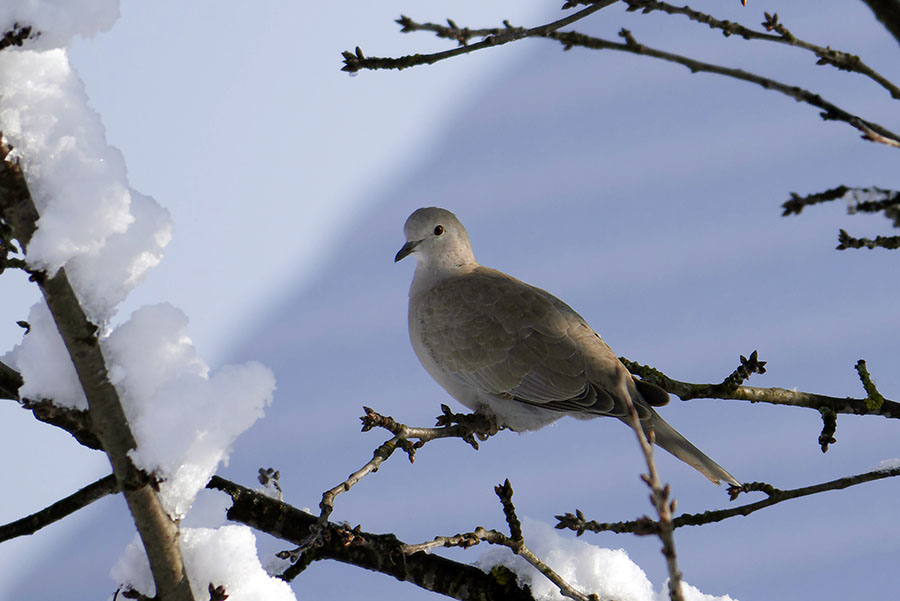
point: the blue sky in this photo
(645, 197)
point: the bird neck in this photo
(430, 274)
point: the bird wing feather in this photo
(513, 340)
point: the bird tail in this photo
(672, 441)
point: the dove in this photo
(515, 352)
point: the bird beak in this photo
(407, 249)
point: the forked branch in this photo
(871, 131)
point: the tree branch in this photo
(888, 13)
(356, 61)
(871, 131)
(449, 424)
(158, 531)
(644, 526)
(10, 381)
(864, 200)
(775, 396)
(381, 553)
(846, 241)
(75, 422)
(514, 542)
(62, 508)
(826, 55)
(660, 496)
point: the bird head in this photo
(437, 239)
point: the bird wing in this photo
(506, 338)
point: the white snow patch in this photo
(44, 363)
(58, 21)
(104, 277)
(887, 464)
(78, 182)
(608, 572)
(224, 556)
(184, 418)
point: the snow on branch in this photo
(158, 531)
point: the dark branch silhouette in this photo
(645, 526)
(731, 389)
(356, 61)
(515, 542)
(377, 552)
(888, 12)
(62, 508)
(826, 55)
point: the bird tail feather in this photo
(672, 441)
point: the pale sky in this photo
(643, 196)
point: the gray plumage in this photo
(505, 348)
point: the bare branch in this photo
(888, 12)
(797, 203)
(356, 61)
(62, 508)
(515, 542)
(450, 424)
(775, 396)
(381, 553)
(831, 112)
(660, 497)
(75, 422)
(645, 526)
(826, 55)
(864, 200)
(10, 382)
(846, 241)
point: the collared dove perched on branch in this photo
(504, 348)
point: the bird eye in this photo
(438, 230)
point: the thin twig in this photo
(466, 427)
(644, 526)
(62, 508)
(846, 241)
(326, 505)
(776, 396)
(377, 552)
(515, 542)
(660, 496)
(831, 112)
(826, 55)
(356, 61)
(797, 203)
(469, 427)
